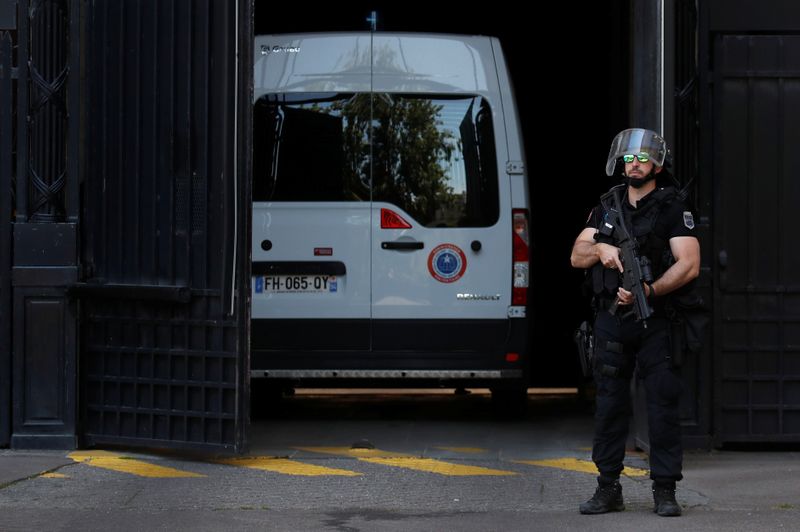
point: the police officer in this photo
(664, 228)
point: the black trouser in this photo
(620, 346)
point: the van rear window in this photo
(432, 156)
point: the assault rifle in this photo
(635, 269)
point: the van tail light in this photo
(520, 253)
(392, 220)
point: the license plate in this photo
(276, 284)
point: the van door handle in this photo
(403, 245)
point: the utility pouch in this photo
(584, 340)
(691, 312)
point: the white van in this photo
(390, 212)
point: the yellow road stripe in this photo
(286, 467)
(355, 453)
(123, 464)
(440, 467)
(407, 461)
(582, 466)
(635, 472)
(53, 475)
(469, 450)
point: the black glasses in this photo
(643, 157)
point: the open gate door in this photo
(164, 299)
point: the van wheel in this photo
(510, 402)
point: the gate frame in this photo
(44, 390)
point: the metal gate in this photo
(164, 310)
(756, 129)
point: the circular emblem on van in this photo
(447, 263)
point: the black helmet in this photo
(635, 141)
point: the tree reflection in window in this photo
(431, 156)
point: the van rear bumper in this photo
(386, 374)
(419, 350)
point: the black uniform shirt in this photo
(674, 220)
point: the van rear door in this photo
(441, 251)
(311, 226)
(442, 285)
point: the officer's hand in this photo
(625, 297)
(609, 256)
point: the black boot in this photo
(607, 498)
(664, 498)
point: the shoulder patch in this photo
(688, 219)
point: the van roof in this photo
(385, 62)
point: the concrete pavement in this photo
(402, 485)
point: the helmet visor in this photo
(637, 142)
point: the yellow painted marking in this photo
(286, 467)
(407, 461)
(635, 472)
(582, 466)
(469, 450)
(440, 467)
(53, 475)
(355, 453)
(124, 464)
(637, 454)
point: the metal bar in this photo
(101, 220)
(199, 230)
(222, 48)
(177, 294)
(118, 177)
(22, 111)
(200, 158)
(150, 51)
(183, 174)
(183, 128)
(89, 241)
(133, 130)
(167, 91)
(5, 236)
(74, 114)
(241, 144)
(166, 65)
(242, 168)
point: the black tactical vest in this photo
(641, 224)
